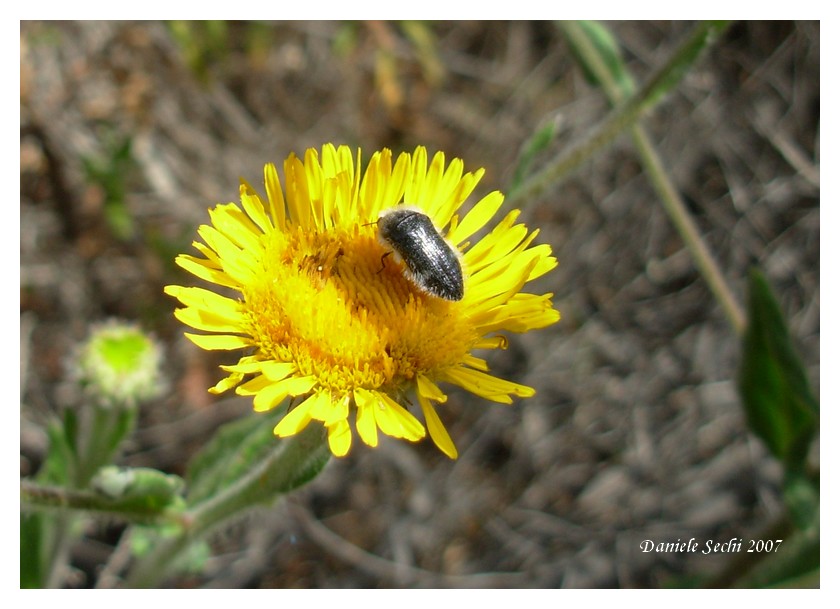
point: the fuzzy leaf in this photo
(234, 449)
(538, 142)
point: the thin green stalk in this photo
(94, 449)
(92, 446)
(58, 549)
(294, 461)
(621, 118)
(683, 222)
(37, 497)
(672, 202)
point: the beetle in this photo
(431, 263)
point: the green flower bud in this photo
(119, 365)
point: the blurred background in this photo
(130, 131)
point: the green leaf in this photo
(37, 528)
(794, 562)
(109, 427)
(60, 455)
(802, 497)
(111, 171)
(31, 574)
(234, 450)
(302, 459)
(122, 425)
(145, 538)
(275, 467)
(780, 407)
(599, 56)
(535, 145)
(706, 35)
(71, 429)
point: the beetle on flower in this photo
(329, 324)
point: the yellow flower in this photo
(332, 320)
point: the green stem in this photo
(35, 496)
(58, 549)
(96, 445)
(674, 205)
(621, 118)
(686, 227)
(294, 461)
(100, 442)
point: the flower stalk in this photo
(34, 496)
(290, 464)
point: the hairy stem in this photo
(622, 117)
(294, 461)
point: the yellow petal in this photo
(340, 438)
(227, 383)
(296, 420)
(331, 412)
(275, 393)
(246, 365)
(254, 386)
(276, 203)
(428, 389)
(222, 342)
(475, 362)
(365, 417)
(206, 271)
(277, 371)
(477, 217)
(236, 226)
(438, 432)
(201, 319)
(485, 385)
(396, 421)
(201, 298)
